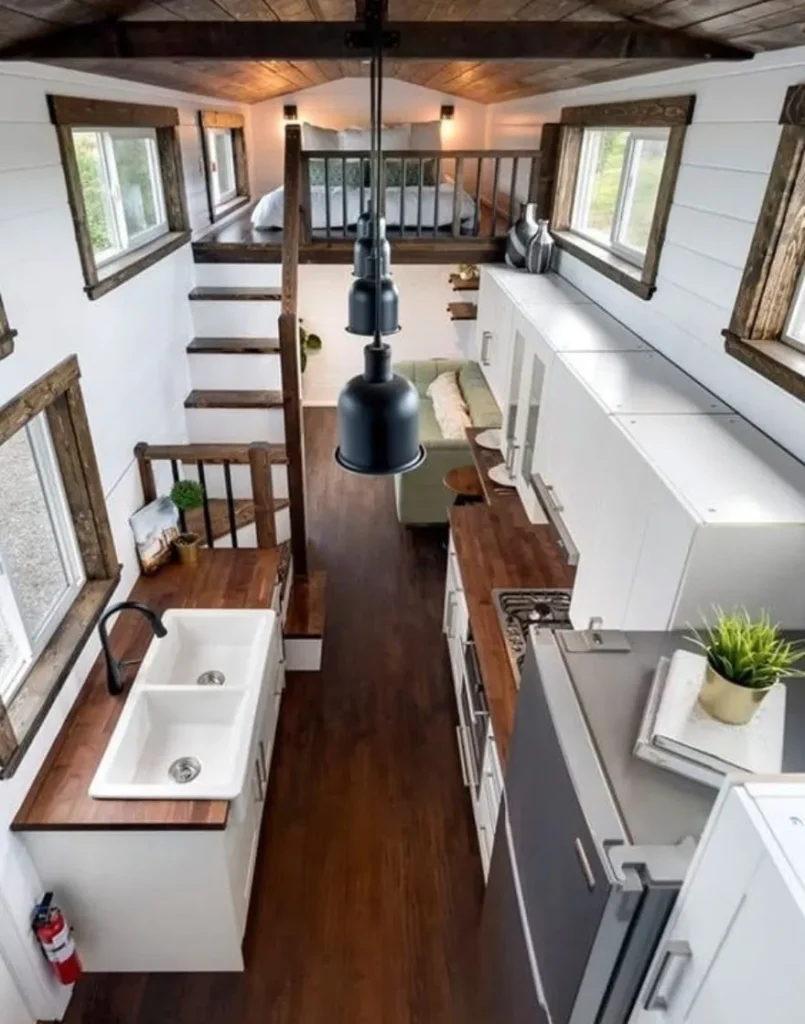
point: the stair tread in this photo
(234, 346)
(208, 399)
(462, 310)
(460, 285)
(305, 619)
(209, 294)
(219, 516)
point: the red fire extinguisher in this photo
(53, 934)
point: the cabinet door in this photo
(509, 993)
(484, 323)
(565, 887)
(242, 838)
(724, 870)
(536, 364)
(566, 454)
(500, 347)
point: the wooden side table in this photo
(465, 483)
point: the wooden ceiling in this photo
(756, 24)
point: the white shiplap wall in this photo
(729, 150)
(130, 346)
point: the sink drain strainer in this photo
(185, 769)
(211, 678)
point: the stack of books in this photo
(677, 734)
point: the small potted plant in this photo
(468, 271)
(745, 661)
(187, 495)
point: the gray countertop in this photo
(657, 805)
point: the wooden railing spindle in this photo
(402, 195)
(512, 191)
(476, 220)
(436, 196)
(326, 198)
(458, 195)
(175, 475)
(495, 178)
(146, 469)
(419, 198)
(344, 195)
(263, 494)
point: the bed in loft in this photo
(425, 190)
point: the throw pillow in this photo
(398, 137)
(449, 407)
(426, 135)
(314, 137)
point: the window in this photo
(41, 571)
(58, 566)
(122, 189)
(767, 328)
(223, 146)
(222, 165)
(608, 174)
(123, 170)
(616, 191)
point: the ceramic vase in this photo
(520, 234)
(540, 250)
(727, 701)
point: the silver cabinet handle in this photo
(553, 509)
(451, 607)
(264, 762)
(486, 337)
(557, 505)
(464, 777)
(584, 864)
(675, 958)
(513, 449)
(260, 792)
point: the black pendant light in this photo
(371, 295)
(378, 411)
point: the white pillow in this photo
(396, 137)
(314, 137)
(426, 135)
(449, 406)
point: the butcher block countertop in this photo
(498, 547)
(59, 797)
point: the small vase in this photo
(187, 547)
(520, 234)
(539, 251)
(727, 701)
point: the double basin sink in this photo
(187, 726)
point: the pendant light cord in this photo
(377, 63)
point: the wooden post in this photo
(146, 468)
(289, 347)
(262, 494)
(543, 170)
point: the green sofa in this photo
(421, 495)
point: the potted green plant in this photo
(307, 343)
(745, 660)
(187, 495)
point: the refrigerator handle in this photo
(674, 960)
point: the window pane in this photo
(222, 155)
(31, 553)
(95, 188)
(599, 180)
(796, 323)
(9, 651)
(641, 194)
(138, 190)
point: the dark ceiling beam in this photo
(431, 40)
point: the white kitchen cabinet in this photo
(455, 625)
(732, 949)
(493, 334)
(166, 899)
(537, 360)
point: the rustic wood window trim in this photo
(69, 112)
(775, 262)
(7, 335)
(236, 124)
(672, 112)
(58, 395)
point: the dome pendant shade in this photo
(363, 307)
(378, 420)
(364, 257)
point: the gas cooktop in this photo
(518, 610)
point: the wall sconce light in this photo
(447, 112)
(290, 112)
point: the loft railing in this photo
(259, 457)
(435, 193)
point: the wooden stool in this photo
(465, 483)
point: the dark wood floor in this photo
(368, 889)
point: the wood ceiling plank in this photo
(15, 26)
(57, 11)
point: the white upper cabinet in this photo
(494, 335)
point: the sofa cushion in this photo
(449, 407)
(422, 372)
(480, 401)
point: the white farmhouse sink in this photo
(186, 730)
